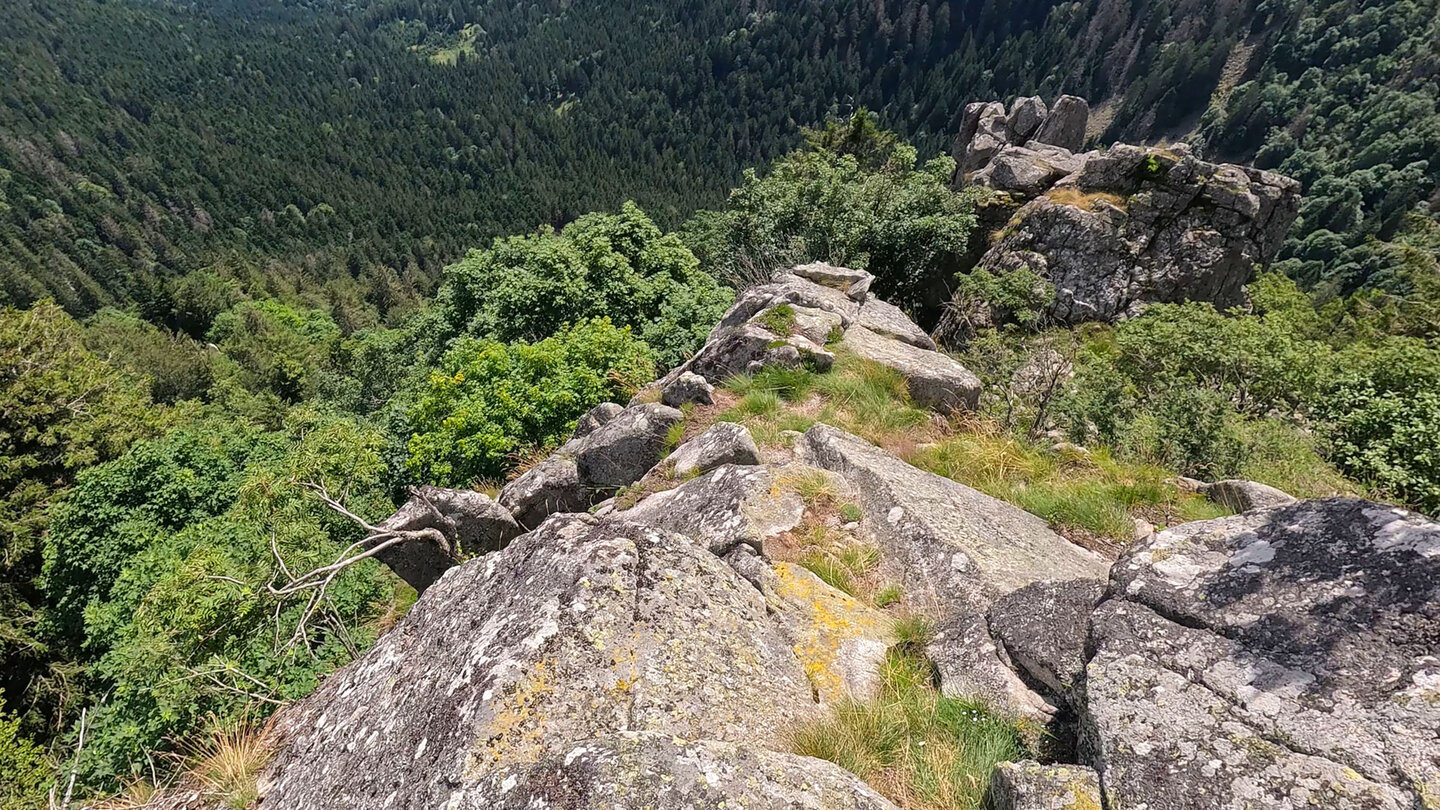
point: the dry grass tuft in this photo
(1092, 201)
(228, 762)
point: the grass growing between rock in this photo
(920, 749)
(1092, 492)
(229, 763)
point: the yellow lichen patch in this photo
(517, 725)
(827, 621)
(1092, 201)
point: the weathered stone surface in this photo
(1026, 116)
(724, 508)
(1065, 124)
(828, 275)
(626, 447)
(1025, 171)
(580, 629)
(721, 443)
(970, 667)
(1282, 658)
(1242, 496)
(686, 388)
(953, 547)
(596, 417)
(1042, 628)
(551, 486)
(887, 320)
(818, 325)
(468, 523)
(840, 641)
(935, 381)
(1028, 785)
(662, 772)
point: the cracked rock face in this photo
(662, 772)
(1042, 627)
(1283, 658)
(1028, 785)
(580, 629)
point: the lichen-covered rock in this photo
(1042, 628)
(721, 443)
(840, 641)
(934, 380)
(819, 326)
(468, 523)
(663, 772)
(887, 320)
(1025, 171)
(580, 629)
(970, 666)
(626, 447)
(1028, 785)
(551, 486)
(596, 417)
(1282, 658)
(952, 547)
(1065, 124)
(724, 508)
(1026, 116)
(828, 275)
(1242, 496)
(687, 388)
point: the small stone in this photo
(687, 388)
(723, 443)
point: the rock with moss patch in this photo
(580, 629)
(1028, 785)
(721, 443)
(663, 772)
(1282, 658)
(468, 523)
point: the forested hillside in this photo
(346, 153)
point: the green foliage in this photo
(488, 401)
(1018, 297)
(177, 367)
(616, 266)
(275, 348)
(25, 774)
(779, 319)
(884, 214)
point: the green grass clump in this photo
(779, 319)
(916, 747)
(851, 513)
(843, 567)
(888, 595)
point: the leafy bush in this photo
(852, 201)
(616, 266)
(984, 299)
(488, 401)
(275, 348)
(25, 774)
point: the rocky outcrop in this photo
(934, 380)
(582, 629)
(464, 523)
(970, 666)
(954, 546)
(1283, 658)
(724, 508)
(592, 465)
(723, 443)
(1116, 229)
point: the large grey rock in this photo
(626, 447)
(662, 772)
(722, 443)
(1065, 124)
(1282, 658)
(952, 547)
(1028, 785)
(828, 275)
(465, 523)
(1026, 116)
(724, 508)
(934, 380)
(1042, 628)
(819, 326)
(687, 388)
(581, 629)
(551, 486)
(887, 320)
(1242, 496)
(970, 666)
(1026, 172)
(1147, 225)
(596, 417)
